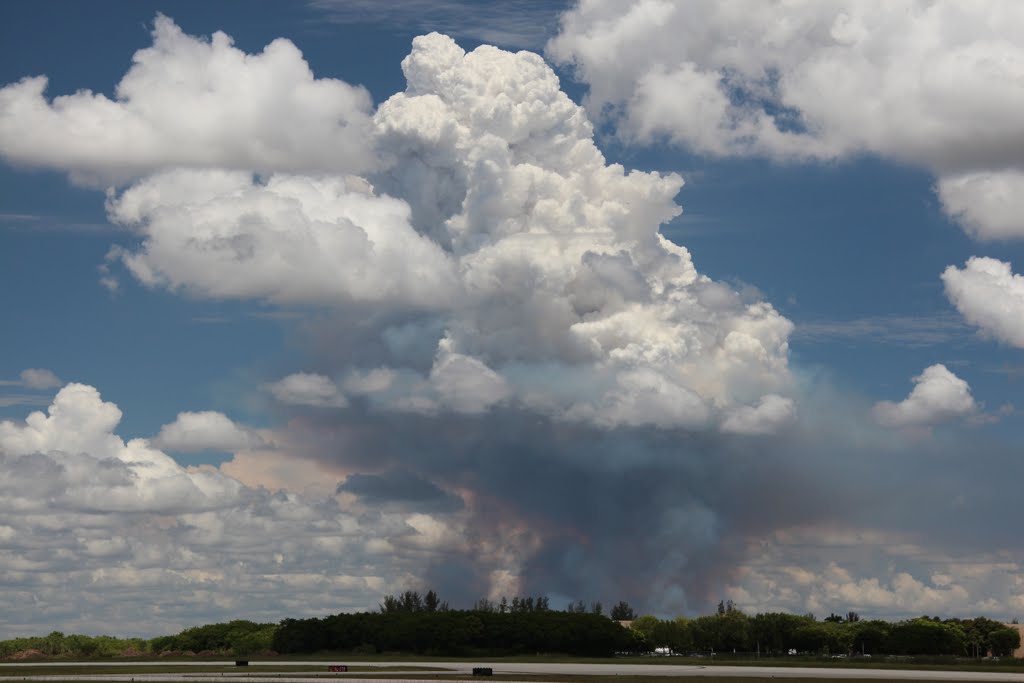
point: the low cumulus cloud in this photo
(990, 296)
(206, 430)
(76, 439)
(938, 396)
(936, 85)
(101, 534)
(307, 389)
(825, 569)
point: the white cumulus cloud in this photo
(938, 396)
(95, 468)
(307, 389)
(293, 239)
(815, 568)
(192, 102)
(769, 415)
(206, 430)
(990, 205)
(934, 84)
(100, 534)
(990, 296)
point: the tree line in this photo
(425, 624)
(412, 601)
(239, 637)
(777, 633)
(455, 633)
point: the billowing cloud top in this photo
(532, 271)
(572, 302)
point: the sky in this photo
(664, 302)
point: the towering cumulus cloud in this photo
(571, 303)
(934, 84)
(513, 325)
(501, 376)
(505, 262)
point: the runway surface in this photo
(248, 675)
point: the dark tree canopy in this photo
(623, 612)
(423, 624)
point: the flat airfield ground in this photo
(288, 671)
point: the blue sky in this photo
(310, 301)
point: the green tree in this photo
(645, 626)
(869, 637)
(485, 605)
(924, 636)
(977, 634)
(774, 632)
(674, 634)
(622, 611)
(54, 644)
(734, 631)
(1003, 641)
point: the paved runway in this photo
(500, 668)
